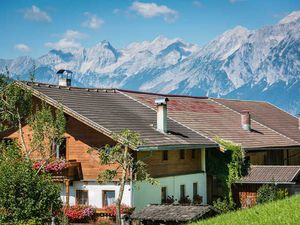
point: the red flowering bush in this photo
(79, 213)
(111, 209)
(52, 166)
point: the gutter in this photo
(263, 182)
(175, 147)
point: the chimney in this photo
(246, 120)
(64, 77)
(162, 114)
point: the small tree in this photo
(15, 106)
(48, 127)
(24, 194)
(131, 169)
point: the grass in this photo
(280, 212)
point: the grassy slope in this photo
(281, 212)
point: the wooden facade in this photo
(176, 162)
(275, 157)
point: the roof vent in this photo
(64, 77)
(246, 120)
(162, 114)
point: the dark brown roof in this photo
(268, 115)
(178, 213)
(109, 110)
(271, 174)
(212, 117)
(192, 121)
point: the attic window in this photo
(165, 155)
(181, 154)
(193, 153)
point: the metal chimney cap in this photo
(62, 71)
(161, 101)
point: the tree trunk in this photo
(122, 186)
(21, 133)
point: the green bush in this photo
(24, 194)
(223, 206)
(268, 193)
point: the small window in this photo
(181, 154)
(195, 189)
(182, 191)
(63, 149)
(82, 197)
(7, 141)
(163, 195)
(108, 198)
(193, 154)
(165, 155)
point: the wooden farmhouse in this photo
(179, 139)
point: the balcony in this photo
(72, 171)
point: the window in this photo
(108, 198)
(195, 189)
(181, 154)
(7, 140)
(182, 191)
(163, 194)
(165, 155)
(62, 151)
(193, 154)
(82, 197)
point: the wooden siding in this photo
(80, 138)
(157, 167)
(275, 157)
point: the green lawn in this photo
(281, 212)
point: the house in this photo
(179, 139)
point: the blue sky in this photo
(34, 27)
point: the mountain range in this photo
(262, 64)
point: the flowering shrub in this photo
(79, 213)
(111, 209)
(52, 166)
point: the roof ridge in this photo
(161, 94)
(29, 83)
(120, 91)
(225, 106)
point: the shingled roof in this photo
(177, 213)
(192, 121)
(268, 115)
(109, 110)
(216, 117)
(271, 174)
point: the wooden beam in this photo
(67, 182)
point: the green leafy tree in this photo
(121, 155)
(25, 196)
(15, 106)
(48, 127)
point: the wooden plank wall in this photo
(157, 167)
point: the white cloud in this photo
(235, 1)
(93, 21)
(149, 10)
(36, 14)
(22, 47)
(197, 4)
(116, 11)
(69, 40)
